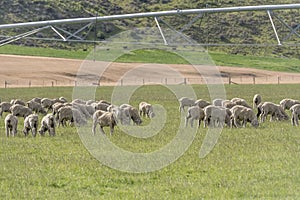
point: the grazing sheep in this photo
(275, 110)
(256, 100)
(194, 113)
(101, 106)
(295, 114)
(185, 101)
(202, 103)
(48, 103)
(228, 104)
(146, 109)
(134, 115)
(121, 114)
(217, 102)
(31, 124)
(48, 124)
(90, 102)
(240, 101)
(67, 113)
(216, 116)
(83, 109)
(11, 124)
(62, 100)
(79, 101)
(107, 119)
(106, 102)
(4, 107)
(37, 100)
(56, 107)
(17, 102)
(96, 115)
(244, 114)
(36, 107)
(20, 111)
(286, 104)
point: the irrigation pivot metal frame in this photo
(89, 22)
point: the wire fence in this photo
(282, 79)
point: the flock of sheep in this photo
(57, 112)
(233, 112)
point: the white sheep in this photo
(36, 107)
(31, 124)
(217, 102)
(194, 113)
(67, 113)
(216, 116)
(146, 109)
(48, 124)
(202, 103)
(17, 102)
(121, 114)
(48, 103)
(275, 110)
(101, 106)
(240, 101)
(96, 115)
(244, 114)
(36, 99)
(286, 104)
(20, 111)
(107, 119)
(256, 100)
(83, 109)
(185, 101)
(4, 107)
(11, 125)
(228, 104)
(295, 114)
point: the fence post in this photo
(143, 81)
(5, 84)
(229, 79)
(184, 81)
(166, 81)
(52, 83)
(29, 84)
(121, 82)
(253, 80)
(278, 80)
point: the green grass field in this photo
(247, 163)
(164, 57)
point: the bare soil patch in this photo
(23, 71)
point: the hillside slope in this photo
(230, 28)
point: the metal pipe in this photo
(274, 28)
(151, 14)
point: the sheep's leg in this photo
(111, 129)
(94, 127)
(296, 120)
(199, 123)
(1, 111)
(236, 123)
(187, 119)
(7, 131)
(192, 122)
(14, 131)
(101, 130)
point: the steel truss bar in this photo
(160, 30)
(79, 30)
(274, 28)
(152, 14)
(69, 33)
(58, 33)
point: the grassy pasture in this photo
(248, 163)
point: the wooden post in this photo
(29, 84)
(278, 80)
(52, 83)
(121, 82)
(166, 81)
(253, 80)
(5, 84)
(229, 79)
(184, 81)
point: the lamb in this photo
(274, 110)
(194, 113)
(96, 115)
(48, 124)
(18, 102)
(36, 107)
(295, 114)
(21, 111)
(202, 103)
(146, 109)
(107, 119)
(216, 116)
(185, 101)
(240, 101)
(242, 113)
(286, 104)
(31, 123)
(4, 107)
(256, 100)
(11, 124)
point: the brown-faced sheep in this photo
(31, 124)
(256, 100)
(286, 104)
(275, 110)
(4, 107)
(48, 124)
(244, 114)
(185, 101)
(146, 109)
(194, 113)
(295, 109)
(11, 125)
(20, 111)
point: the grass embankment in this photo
(246, 163)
